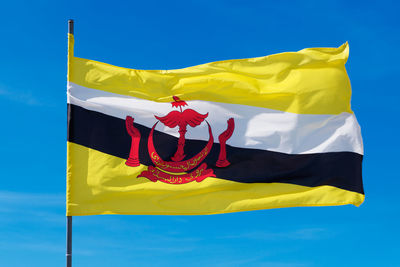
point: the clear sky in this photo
(176, 34)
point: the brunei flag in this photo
(227, 136)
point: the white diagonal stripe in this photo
(255, 127)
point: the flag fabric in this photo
(227, 136)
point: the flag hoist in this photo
(236, 135)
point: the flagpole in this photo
(69, 241)
(69, 218)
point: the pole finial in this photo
(71, 26)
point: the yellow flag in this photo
(227, 136)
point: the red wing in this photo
(171, 120)
(188, 116)
(193, 118)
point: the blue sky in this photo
(176, 34)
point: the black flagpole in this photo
(69, 218)
(69, 241)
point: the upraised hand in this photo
(133, 159)
(223, 137)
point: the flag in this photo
(236, 135)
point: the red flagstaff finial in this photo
(178, 103)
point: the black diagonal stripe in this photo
(108, 135)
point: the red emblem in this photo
(171, 171)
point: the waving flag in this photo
(236, 135)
